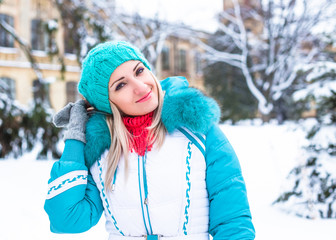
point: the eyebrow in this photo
(117, 81)
(136, 66)
(124, 77)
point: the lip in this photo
(145, 98)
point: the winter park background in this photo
(266, 152)
(275, 83)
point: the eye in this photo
(139, 71)
(119, 86)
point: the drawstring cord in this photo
(144, 158)
(114, 179)
(142, 208)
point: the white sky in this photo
(200, 14)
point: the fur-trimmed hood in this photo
(183, 107)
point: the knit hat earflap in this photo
(98, 66)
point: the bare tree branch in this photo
(276, 53)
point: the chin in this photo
(143, 110)
(147, 111)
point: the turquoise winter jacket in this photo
(79, 208)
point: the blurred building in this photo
(36, 23)
(39, 24)
(180, 57)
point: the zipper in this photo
(144, 190)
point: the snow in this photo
(42, 66)
(266, 152)
(39, 53)
(320, 68)
(8, 50)
(52, 25)
(324, 137)
(318, 89)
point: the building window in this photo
(6, 39)
(71, 39)
(198, 63)
(39, 35)
(182, 61)
(7, 86)
(71, 91)
(41, 92)
(165, 58)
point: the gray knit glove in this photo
(73, 116)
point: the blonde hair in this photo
(120, 136)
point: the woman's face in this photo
(132, 89)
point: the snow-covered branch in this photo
(269, 58)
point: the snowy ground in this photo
(266, 154)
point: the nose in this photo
(140, 87)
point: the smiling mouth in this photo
(145, 98)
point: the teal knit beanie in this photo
(97, 67)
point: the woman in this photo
(151, 156)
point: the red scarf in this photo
(137, 126)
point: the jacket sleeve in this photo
(73, 201)
(230, 216)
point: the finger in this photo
(61, 118)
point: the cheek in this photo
(124, 107)
(156, 91)
(157, 95)
(120, 100)
(123, 104)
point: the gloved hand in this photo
(172, 84)
(73, 116)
